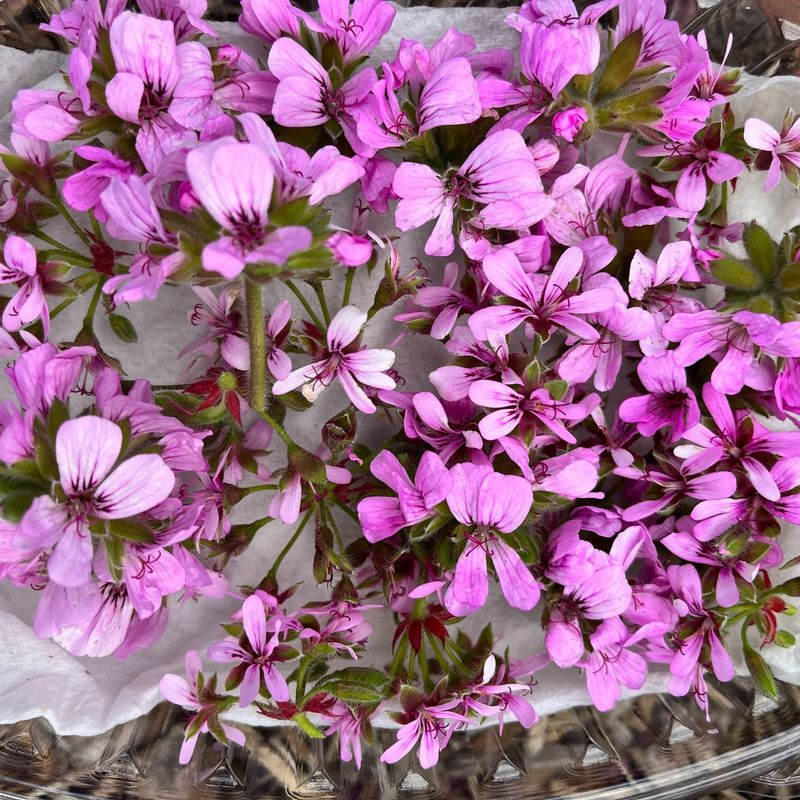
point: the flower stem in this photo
(261, 487)
(278, 428)
(399, 656)
(423, 666)
(62, 209)
(347, 510)
(303, 302)
(88, 319)
(323, 303)
(257, 338)
(348, 286)
(439, 652)
(273, 573)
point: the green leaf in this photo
(621, 63)
(636, 101)
(28, 173)
(760, 247)
(46, 460)
(785, 639)
(123, 328)
(736, 274)
(310, 466)
(130, 531)
(790, 277)
(762, 674)
(557, 389)
(790, 588)
(116, 553)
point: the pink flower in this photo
(256, 652)
(20, 266)
(233, 180)
(357, 28)
(670, 403)
(432, 727)
(83, 189)
(381, 517)
(500, 168)
(489, 503)
(187, 692)
(340, 362)
(661, 38)
(568, 123)
(349, 724)
(538, 301)
(698, 635)
(270, 19)
(305, 97)
(86, 450)
(46, 115)
(784, 147)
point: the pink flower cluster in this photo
(596, 444)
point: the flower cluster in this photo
(596, 444)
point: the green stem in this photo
(323, 303)
(257, 338)
(62, 209)
(262, 487)
(336, 534)
(61, 306)
(273, 573)
(399, 656)
(303, 302)
(88, 320)
(348, 285)
(439, 652)
(423, 666)
(278, 428)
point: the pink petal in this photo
(345, 327)
(760, 135)
(136, 485)
(450, 96)
(470, 585)
(70, 563)
(518, 585)
(255, 622)
(124, 93)
(86, 449)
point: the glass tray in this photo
(654, 746)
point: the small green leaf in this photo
(785, 639)
(621, 63)
(310, 466)
(762, 674)
(557, 389)
(123, 328)
(636, 101)
(736, 274)
(790, 588)
(130, 531)
(760, 247)
(790, 277)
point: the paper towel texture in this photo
(84, 696)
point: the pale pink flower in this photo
(784, 147)
(28, 304)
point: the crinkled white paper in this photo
(84, 696)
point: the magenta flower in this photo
(531, 409)
(233, 180)
(612, 664)
(670, 403)
(270, 19)
(256, 652)
(357, 28)
(734, 339)
(489, 503)
(432, 728)
(568, 123)
(184, 692)
(661, 38)
(381, 517)
(341, 362)
(305, 97)
(349, 724)
(83, 189)
(218, 314)
(500, 168)
(86, 451)
(784, 147)
(699, 631)
(20, 266)
(146, 55)
(445, 301)
(541, 302)
(49, 116)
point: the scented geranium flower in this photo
(529, 409)
(611, 664)
(270, 19)
(343, 360)
(745, 564)
(783, 147)
(445, 299)
(489, 504)
(697, 635)
(381, 517)
(83, 189)
(19, 266)
(714, 517)
(349, 723)
(146, 55)
(191, 693)
(568, 123)
(616, 325)
(500, 168)
(46, 115)
(670, 404)
(86, 450)
(449, 97)
(432, 727)
(661, 38)
(736, 439)
(493, 696)
(541, 302)
(305, 96)
(233, 181)
(255, 655)
(356, 28)
(734, 339)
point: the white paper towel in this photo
(84, 696)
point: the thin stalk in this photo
(399, 656)
(423, 666)
(323, 303)
(273, 573)
(262, 487)
(278, 428)
(349, 511)
(257, 338)
(88, 320)
(303, 302)
(348, 286)
(62, 209)
(438, 650)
